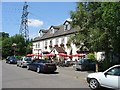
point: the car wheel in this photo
(38, 69)
(28, 68)
(9, 62)
(94, 84)
(76, 69)
(21, 66)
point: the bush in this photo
(91, 56)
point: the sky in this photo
(41, 15)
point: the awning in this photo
(30, 55)
(79, 55)
(62, 54)
(50, 54)
(40, 55)
(69, 55)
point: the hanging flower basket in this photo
(56, 45)
(50, 46)
(62, 45)
(67, 44)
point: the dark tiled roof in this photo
(57, 33)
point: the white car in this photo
(23, 61)
(109, 78)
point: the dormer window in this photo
(52, 30)
(40, 33)
(67, 26)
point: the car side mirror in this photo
(105, 74)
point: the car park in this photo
(109, 78)
(40, 65)
(85, 64)
(24, 61)
(11, 60)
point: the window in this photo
(52, 30)
(115, 71)
(57, 41)
(45, 43)
(67, 27)
(38, 45)
(50, 42)
(63, 41)
(41, 34)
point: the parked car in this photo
(85, 64)
(109, 78)
(11, 59)
(24, 61)
(7, 59)
(40, 65)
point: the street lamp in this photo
(14, 47)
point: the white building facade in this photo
(54, 40)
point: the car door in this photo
(111, 78)
(31, 65)
(34, 65)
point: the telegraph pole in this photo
(24, 22)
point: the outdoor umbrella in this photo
(78, 55)
(62, 54)
(40, 55)
(30, 55)
(50, 54)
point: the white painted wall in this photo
(42, 45)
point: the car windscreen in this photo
(42, 61)
(13, 58)
(81, 61)
(28, 59)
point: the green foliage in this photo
(99, 27)
(91, 56)
(6, 47)
(22, 46)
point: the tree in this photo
(99, 28)
(6, 47)
(22, 46)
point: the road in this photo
(65, 77)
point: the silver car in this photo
(23, 61)
(85, 64)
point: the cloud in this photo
(35, 22)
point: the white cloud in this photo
(35, 22)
